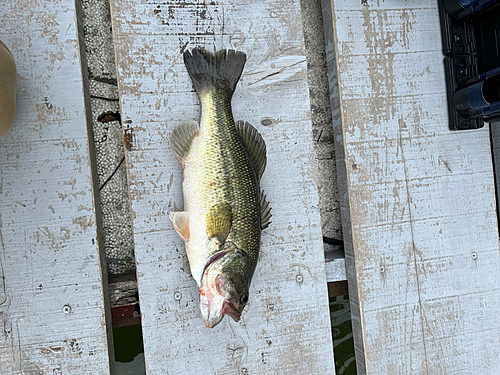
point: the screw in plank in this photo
(382, 269)
(244, 371)
(474, 255)
(299, 278)
(66, 309)
(177, 296)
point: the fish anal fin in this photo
(181, 139)
(181, 223)
(254, 144)
(218, 221)
(265, 212)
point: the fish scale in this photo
(218, 170)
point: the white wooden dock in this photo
(418, 206)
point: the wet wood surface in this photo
(52, 302)
(422, 252)
(286, 326)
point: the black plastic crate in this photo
(470, 32)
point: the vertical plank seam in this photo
(408, 202)
(495, 171)
(20, 348)
(2, 274)
(341, 158)
(94, 182)
(127, 130)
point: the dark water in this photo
(343, 344)
(129, 353)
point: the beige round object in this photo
(8, 87)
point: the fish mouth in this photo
(211, 309)
(213, 304)
(229, 308)
(214, 307)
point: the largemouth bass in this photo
(224, 209)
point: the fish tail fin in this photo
(220, 70)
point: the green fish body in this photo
(224, 209)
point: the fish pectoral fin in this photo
(254, 144)
(181, 139)
(218, 221)
(265, 212)
(181, 223)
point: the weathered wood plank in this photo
(421, 205)
(53, 317)
(285, 328)
(342, 181)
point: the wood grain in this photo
(422, 214)
(286, 326)
(52, 304)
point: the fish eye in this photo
(244, 298)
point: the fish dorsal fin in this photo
(265, 212)
(182, 137)
(218, 221)
(181, 223)
(254, 144)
